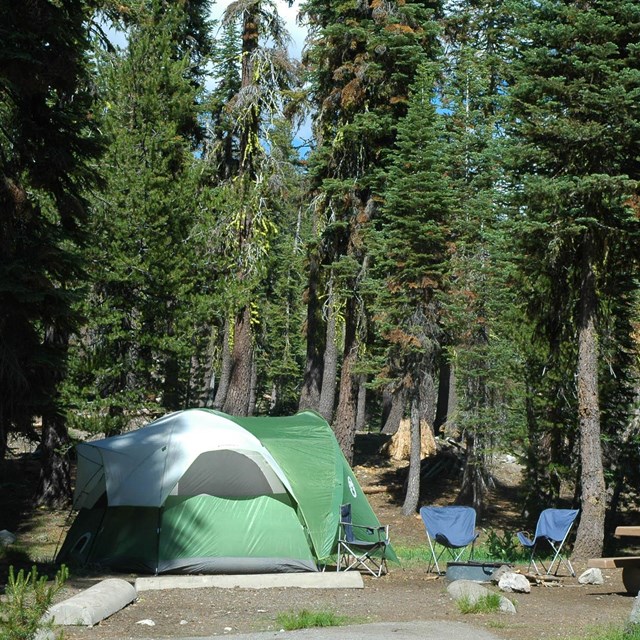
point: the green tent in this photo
(198, 491)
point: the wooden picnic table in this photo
(627, 531)
(630, 565)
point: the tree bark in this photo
(444, 394)
(54, 486)
(412, 496)
(329, 370)
(473, 491)
(315, 333)
(225, 369)
(238, 396)
(397, 402)
(361, 413)
(345, 420)
(590, 533)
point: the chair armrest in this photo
(525, 539)
(371, 530)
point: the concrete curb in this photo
(326, 580)
(94, 604)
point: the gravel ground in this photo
(565, 610)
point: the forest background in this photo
(456, 242)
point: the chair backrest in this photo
(345, 519)
(555, 523)
(457, 524)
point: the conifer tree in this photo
(362, 60)
(48, 144)
(411, 259)
(248, 202)
(481, 313)
(135, 354)
(576, 118)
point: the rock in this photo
(514, 582)
(591, 576)
(7, 538)
(473, 592)
(499, 572)
(634, 617)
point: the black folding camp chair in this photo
(449, 529)
(553, 529)
(361, 546)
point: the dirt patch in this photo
(566, 609)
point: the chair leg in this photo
(353, 560)
(434, 557)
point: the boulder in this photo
(7, 538)
(591, 576)
(473, 592)
(514, 583)
(499, 572)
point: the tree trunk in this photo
(412, 496)
(345, 420)
(397, 402)
(329, 369)
(238, 396)
(250, 128)
(225, 369)
(590, 534)
(315, 333)
(361, 414)
(473, 491)
(54, 486)
(253, 388)
(444, 394)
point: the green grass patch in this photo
(631, 632)
(413, 556)
(305, 619)
(486, 604)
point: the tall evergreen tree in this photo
(362, 60)
(480, 349)
(136, 351)
(247, 202)
(48, 144)
(411, 256)
(576, 124)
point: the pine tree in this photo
(362, 61)
(247, 202)
(48, 144)
(411, 255)
(480, 303)
(574, 103)
(135, 353)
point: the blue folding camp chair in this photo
(449, 529)
(553, 528)
(361, 546)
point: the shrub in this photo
(27, 598)
(504, 547)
